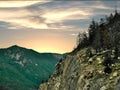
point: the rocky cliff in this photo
(95, 63)
(86, 72)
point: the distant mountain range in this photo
(24, 69)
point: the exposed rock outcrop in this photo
(82, 72)
(95, 63)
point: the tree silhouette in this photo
(101, 35)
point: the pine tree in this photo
(92, 30)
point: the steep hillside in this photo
(24, 69)
(81, 72)
(95, 63)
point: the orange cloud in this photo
(28, 23)
(21, 18)
(47, 18)
(70, 14)
(19, 3)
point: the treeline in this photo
(101, 35)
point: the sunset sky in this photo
(49, 26)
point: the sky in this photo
(49, 26)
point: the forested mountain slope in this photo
(24, 69)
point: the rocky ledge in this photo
(85, 71)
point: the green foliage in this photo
(27, 72)
(106, 35)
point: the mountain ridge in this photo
(24, 69)
(17, 46)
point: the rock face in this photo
(83, 72)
